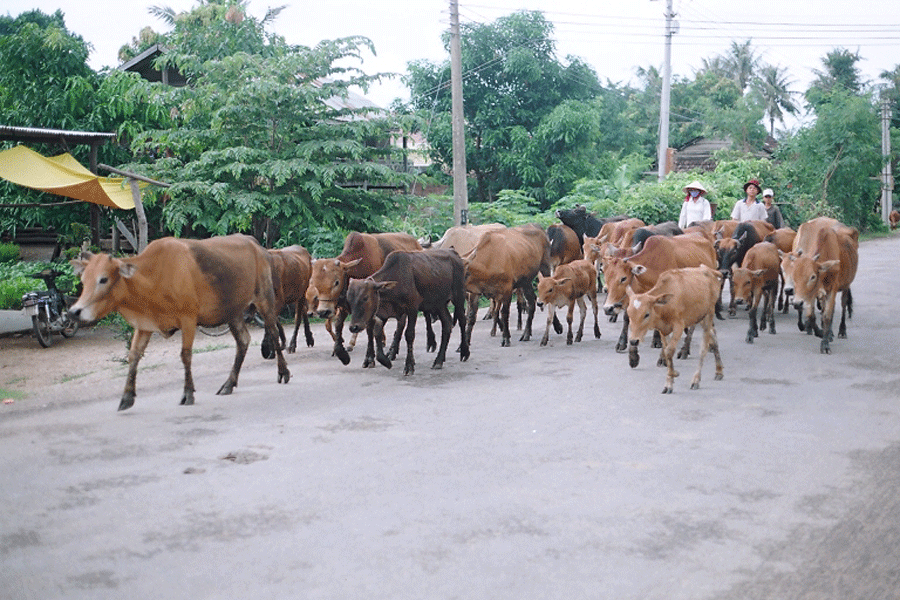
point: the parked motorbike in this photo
(48, 310)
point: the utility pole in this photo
(886, 178)
(460, 186)
(663, 155)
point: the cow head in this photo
(327, 285)
(102, 290)
(726, 252)
(808, 278)
(574, 218)
(364, 300)
(553, 291)
(618, 275)
(745, 281)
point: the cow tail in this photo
(719, 309)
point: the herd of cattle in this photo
(659, 277)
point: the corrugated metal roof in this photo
(37, 135)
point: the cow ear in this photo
(79, 264)
(126, 270)
(829, 266)
(385, 285)
(351, 264)
(664, 299)
(638, 270)
(563, 280)
(757, 273)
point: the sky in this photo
(613, 36)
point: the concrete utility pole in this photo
(886, 178)
(663, 155)
(460, 186)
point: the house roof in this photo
(143, 65)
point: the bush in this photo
(9, 253)
(15, 281)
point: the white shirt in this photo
(749, 212)
(694, 210)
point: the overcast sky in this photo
(614, 36)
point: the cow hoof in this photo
(718, 377)
(127, 402)
(227, 388)
(544, 342)
(634, 360)
(342, 355)
(667, 390)
(385, 362)
(284, 377)
(620, 348)
(187, 399)
(437, 366)
(695, 386)
(410, 370)
(750, 337)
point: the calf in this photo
(502, 262)
(568, 285)
(178, 284)
(291, 270)
(407, 283)
(757, 279)
(363, 254)
(641, 271)
(818, 270)
(680, 299)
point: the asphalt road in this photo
(524, 473)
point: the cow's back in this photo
(464, 238)
(371, 249)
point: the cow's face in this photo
(726, 253)
(809, 275)
(643, 314)
(328, 282)
(103, 291)
(617, 274)
(573, 217)
(363, 298)
(553, 291)
(745, 281)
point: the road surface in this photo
(524, 473)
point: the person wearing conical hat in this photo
(695, 206)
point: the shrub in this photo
(9, 253)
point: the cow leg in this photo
(377, 333)
(622, 344)
(769, 311)
(752, 332)
(582, 307)
(398, 335)
(503, 305)
(827, 318)
(431, 341)
(657, 340)
(138, 345)
(242, 341)
(670, 342)
(594, 307)
(551, 313)
(710, 342)
(369, 360)
(531, 299)
(339, 350)
(686, 346)
(471, 315)
(846, 310)
(732, 303)
(446, 328)
(410, 367)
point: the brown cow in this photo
(407, 283)
(641, 271)
(502, 262)
(568, 285)
(731, 251)
(680, 299)
(363, 254)
(564, 245)
(178, 284)
(291, 269)
(823, 264)
(464, 238)
(757, 279)
(894, 218)
(784, 240)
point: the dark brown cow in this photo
(784, 240)
(894, 218)
(178, 284)
(363, 254)
(757, 279)
(502, 262)
(638, 237)
(568, 285)
(584, 223)
(291, 270)
(407, 283)
(564, 245)
(641, 271)
(680, 299)
(823, 264)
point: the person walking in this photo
(772, 211)
(750, 209)
(695, 206)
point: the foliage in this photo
(512, 80)
(15, 281)
(9, 253)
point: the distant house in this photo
(143, 65)
(698, 153)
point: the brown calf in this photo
(568, 285)
(680, 299)
(291, 270)
(757, 279)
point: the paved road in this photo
(525, 473)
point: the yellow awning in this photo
(65, 176)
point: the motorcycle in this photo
(48, 310)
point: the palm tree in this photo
(772, 85)
(741, 62)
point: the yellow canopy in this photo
(63, 175)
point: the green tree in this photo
(511, 81)
(772, 85)
(265, 141)
(840, 73)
